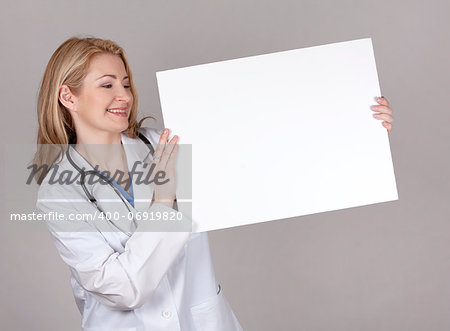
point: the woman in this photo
(135, 279)
(124, 276)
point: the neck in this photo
(102, 150)
(99, 138)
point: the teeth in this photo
(116, 111)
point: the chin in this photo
(117, 128)
(123, 128)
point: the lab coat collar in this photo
(135, 150)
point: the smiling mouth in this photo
(118, 112)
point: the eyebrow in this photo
(112, 76)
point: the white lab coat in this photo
(149, 281)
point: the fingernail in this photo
(375, 115)
(380, 99)
(373, 107)
(165, 131)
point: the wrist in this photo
(166, 202)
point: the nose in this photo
(124, 94)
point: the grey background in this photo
(378, 267)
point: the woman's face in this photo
(104, 100)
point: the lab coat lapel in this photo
(136, 151)
(107, 200)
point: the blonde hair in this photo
(69, 65)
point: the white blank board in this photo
(280, 135)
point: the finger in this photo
(388, 126)
(161, 145)
(172, 157)
(168, 151)
(382, 109)
(382, 101)
(170, 166)
(386, 117)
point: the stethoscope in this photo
(91, 197)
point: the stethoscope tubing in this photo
(91, 197)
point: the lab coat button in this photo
(167, 314)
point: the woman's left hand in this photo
(383, 112)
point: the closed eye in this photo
(110, 85)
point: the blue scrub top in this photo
(125, 194)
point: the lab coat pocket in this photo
(215, 314)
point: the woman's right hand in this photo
(164, 160)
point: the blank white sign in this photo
(280, 135)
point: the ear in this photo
(66, 98)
